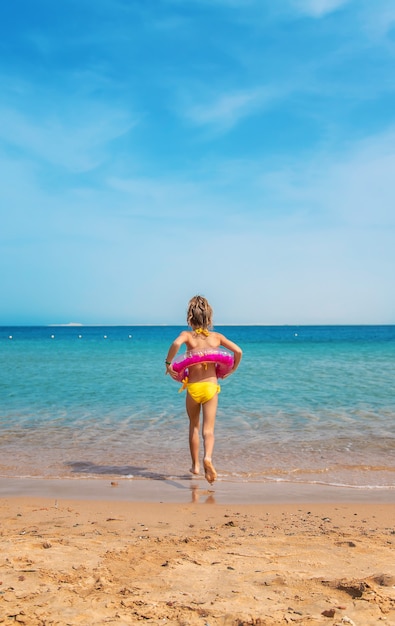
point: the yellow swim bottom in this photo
(203, 391)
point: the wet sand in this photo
(99, 552)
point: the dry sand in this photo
(89, 562)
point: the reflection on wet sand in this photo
(198, 493)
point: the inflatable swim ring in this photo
(222, 358)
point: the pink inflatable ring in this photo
(222, 358)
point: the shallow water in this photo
(308, 404)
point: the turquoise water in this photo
(308, 404)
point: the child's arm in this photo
(237, 352)
(174, 348)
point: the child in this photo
(202, 384)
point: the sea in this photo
(308, 404)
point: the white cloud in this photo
(318, 8)
(227, 3)
(350, 188)
(76, 144)
(378, 19)
(225, 110)
(353, 187)
(155, 196)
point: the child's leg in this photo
(209, 415)
(193, 410)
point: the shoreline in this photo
(183, 491)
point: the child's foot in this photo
(195, 469)
(209, 471)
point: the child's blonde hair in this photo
(200, 313)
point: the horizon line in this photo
(125, 325)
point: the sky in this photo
(151, 150)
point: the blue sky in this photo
(241, 149)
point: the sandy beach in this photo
(84, 560)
